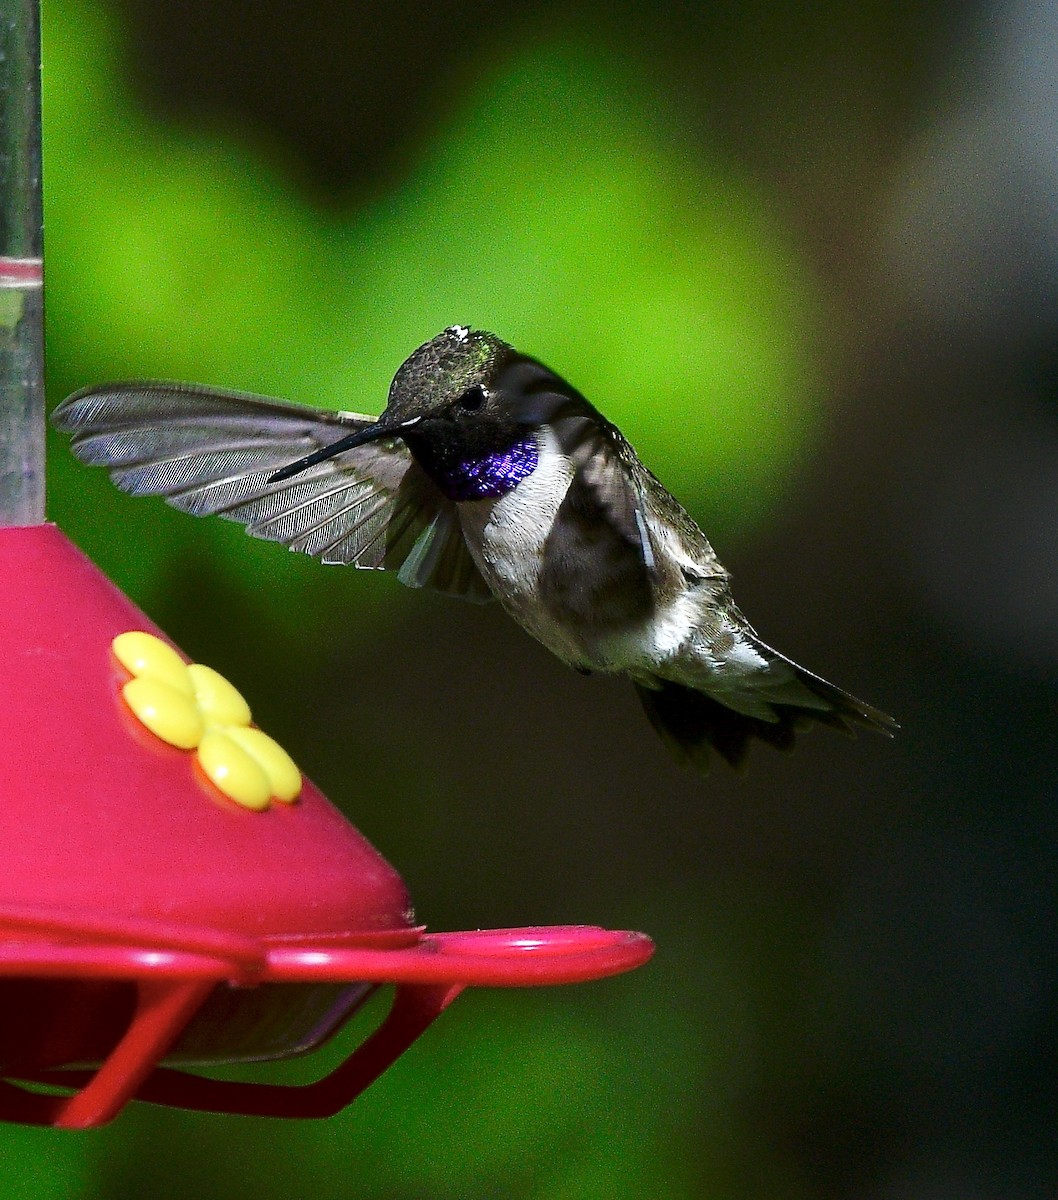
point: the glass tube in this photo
(21, 269)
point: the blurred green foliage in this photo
(561, 208)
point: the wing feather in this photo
(212, 452)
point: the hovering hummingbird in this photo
(487, 476)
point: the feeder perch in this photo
(172, 892)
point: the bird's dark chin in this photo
(473, 458)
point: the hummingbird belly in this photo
(508, 537)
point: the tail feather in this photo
(691, 722)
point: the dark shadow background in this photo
(851, 997)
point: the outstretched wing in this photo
(213, 452)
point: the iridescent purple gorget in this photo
(492, 476)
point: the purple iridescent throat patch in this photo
(492, 476)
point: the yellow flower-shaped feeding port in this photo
(194, 707)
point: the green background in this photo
(680, 208)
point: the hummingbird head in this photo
(472, 380)
(452, 373)
(467, 406)
(461, 426)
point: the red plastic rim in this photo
(174, 972)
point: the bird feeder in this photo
(173, 893)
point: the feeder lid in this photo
(101, 815)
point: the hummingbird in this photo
(487, 476)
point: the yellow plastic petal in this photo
(283, 774)
(144, 654)
(236, 773)
(220, 702)
(165, 711)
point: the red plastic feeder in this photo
(148, 922)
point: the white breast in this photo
(506, 538)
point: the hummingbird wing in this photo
(640, 531)
(599, 565)
(212, 452)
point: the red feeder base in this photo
(147, 920)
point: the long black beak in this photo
(370, 433)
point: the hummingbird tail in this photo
(691, 722)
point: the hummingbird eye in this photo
(472, 399)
